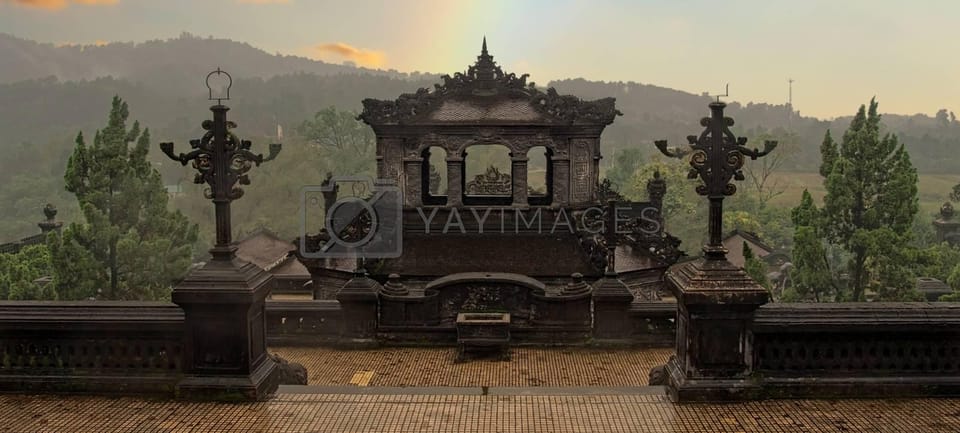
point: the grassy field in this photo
(934, 189)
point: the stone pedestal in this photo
(611, 303)
(948, 230)
(358, 300)
(225, 355)
(716, 302)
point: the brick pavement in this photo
(529, 366)
(331, 413)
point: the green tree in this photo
(954, 282)
(760, 174)
(143, 246)
(20, 272)
(828, 154)
(77, 275)
(625, 163)
(683, 210)
(870, 204)
(754, 267)
(341, 138)
(811, 275)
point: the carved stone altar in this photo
(483, 331)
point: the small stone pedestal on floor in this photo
(358, 298)
(716, 302)
(611, 304)
(483, 332)
(225, 352)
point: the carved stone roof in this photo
(486, 93)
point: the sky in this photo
(839, 53)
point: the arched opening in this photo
(434, 176)
(487, 180)
(539, 176)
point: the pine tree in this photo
(870, 204)
(828, 154)
(77, 275)
(811, 275)
(143, 247)
(754, 267)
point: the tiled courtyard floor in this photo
(410, 366)
(331, 413)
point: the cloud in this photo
(55, 5)
(362, 57)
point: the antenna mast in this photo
(790, 104)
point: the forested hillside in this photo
(48, 94)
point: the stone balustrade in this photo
(112, 347)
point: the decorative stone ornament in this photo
(717, 157)
(576, 286)
(225, 356)
(715, 299)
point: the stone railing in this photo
(653, 323)
(15, 247)
(865, 349)
(114, 347)
(303, 322)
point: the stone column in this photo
(561, 181)
(716, 302)
(518, 178)
(413, 172)
(454, 182)
(595, 178)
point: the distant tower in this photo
(790, 104)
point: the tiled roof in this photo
(506, 110)
(263, 249)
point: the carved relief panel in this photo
(389, 151)
(581, 163)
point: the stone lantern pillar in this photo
(716, 300)
(225, 355)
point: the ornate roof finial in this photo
(485, 65)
